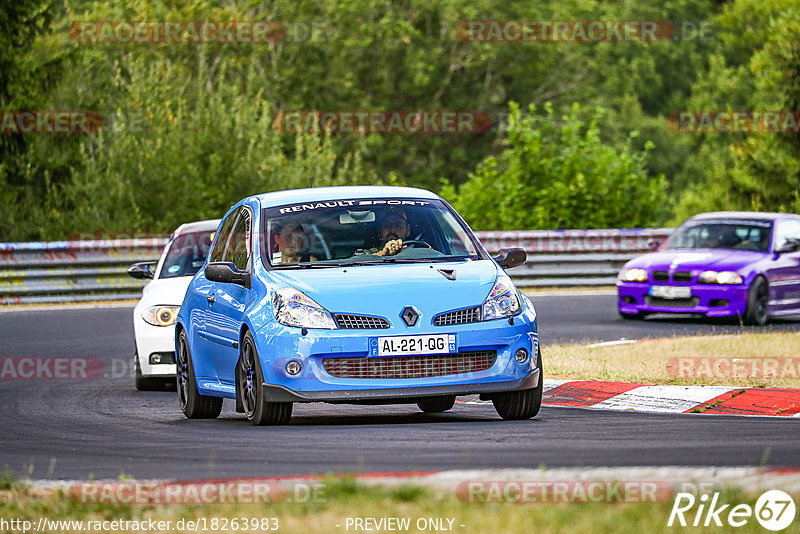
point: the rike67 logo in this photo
(774, 510)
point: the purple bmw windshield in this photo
(749, 235)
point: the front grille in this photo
(469, 315)
(359, 322)
(660, 276)
(682, 276)
(410, 366)
(671, 303)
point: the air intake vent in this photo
(466, 316)
(359, 322)
(410, 366)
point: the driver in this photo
(393, 229)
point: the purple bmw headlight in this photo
(724, 277)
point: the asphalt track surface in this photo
(103, 427)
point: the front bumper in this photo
(397, 395)
(707, 299)
(154, 339)
(278, 344)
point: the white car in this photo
(155, 314)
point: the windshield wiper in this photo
(310, 265)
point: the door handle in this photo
(210, 299)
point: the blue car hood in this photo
(698, 260)
(384, 290)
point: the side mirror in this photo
(511, 258)
(143, 269)
(790, 246)
(226, 272)
(653, 244)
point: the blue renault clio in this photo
(363, 295)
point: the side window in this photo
(238, 251)
(786, 230)
(222, 239)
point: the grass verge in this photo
(747, 360)
(348, 498)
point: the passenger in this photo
(295, 245)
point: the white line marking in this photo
(622, 341)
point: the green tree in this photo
(557, 173)
(759, 71)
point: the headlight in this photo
(724, 277)
(294, 308)
(502, 300)
(161, 315)
(634, 275)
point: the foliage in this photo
(757, 71)
(557, 173)
(192, 122)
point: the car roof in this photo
(198, 226)
(291, 196)
(740, 215)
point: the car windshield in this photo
(363, 231)
(187, 253)
(730, 235)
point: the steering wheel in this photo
(416, 243)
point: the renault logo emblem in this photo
(410, 316)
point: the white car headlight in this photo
(502, 301)
(723, 277)
(161, 315)
(633, 275)
(295, 308)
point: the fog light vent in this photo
(521, 356)
(158, 358)
(293, 367)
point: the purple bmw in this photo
(721, 264)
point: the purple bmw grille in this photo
(410, 366)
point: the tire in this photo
(250, 389)
(520, 405)
(437, 404)
(193, 405)
(148, 383)
(757, 311)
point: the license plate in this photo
(410, 345)
(671, 292)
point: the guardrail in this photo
(77, 271)
(569, 258)
(73, 271)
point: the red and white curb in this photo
(709, 400)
